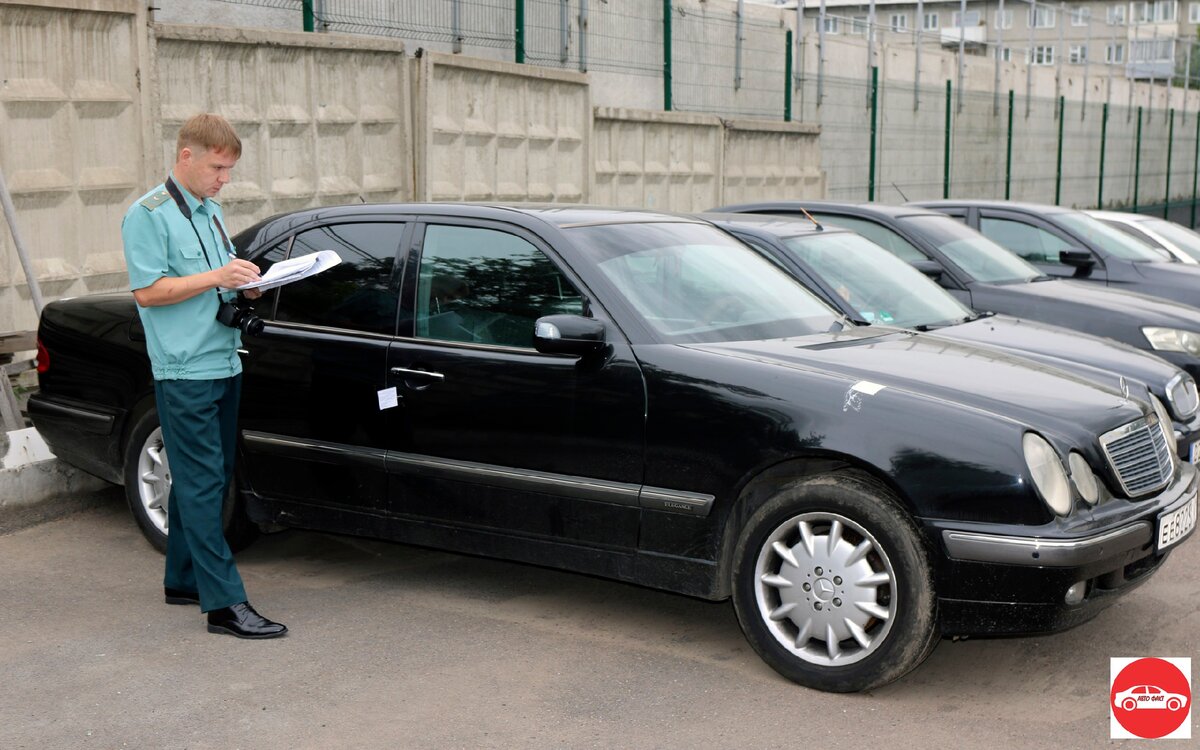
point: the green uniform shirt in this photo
(185, 341)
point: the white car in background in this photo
(1182, 243)
(1148, 696)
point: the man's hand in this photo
(235, 273)
(252, 293)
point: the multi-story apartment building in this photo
(1147, 39)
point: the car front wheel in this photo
(833, 586)
(148, 488)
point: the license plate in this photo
(1194, 452)
(1176, 525)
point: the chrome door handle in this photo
(418, 373)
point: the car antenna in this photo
(814, 221)
(901, 192)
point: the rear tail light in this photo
(43, 358)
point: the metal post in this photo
(737, 45)
(10, 215)
(1029, 60)
(583, 36)
(821, 55)
(456, 25)
(1150, 88)
(1137, 160)
(874, 120)
(1103, 145)
(946, 156)
(962, 45)
(1170, 148)
(309, 17)
(318, 14)
(1195, 168)
(1087, 65)
(1111, 63)
(918, 31)
(787, 80)
(1062, 48)
(870, 43)
(999, 55)
(564, 31)
(1062, 116)
(667, 55)
(519, 36)
(1008, 155)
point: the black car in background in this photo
(988, 278)
(870, 285)
(643, 397)
(1065, 243)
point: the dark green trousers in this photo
(199, 423)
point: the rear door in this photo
(489, 433)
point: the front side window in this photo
(358, 294)
(977, 255)
(692, 283)
(486, 286)
(1032, 243)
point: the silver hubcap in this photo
(154, 480)
(826, 589)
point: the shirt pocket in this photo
(191, 260)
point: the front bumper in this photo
(1011, 583)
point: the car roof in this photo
(849, 207)
(1037, 208)
(1123, 216)
(778, 226)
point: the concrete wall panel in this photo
(657, 160)
(772, 161)
(501, 131)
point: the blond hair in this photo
(209, 132)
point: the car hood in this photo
(1183, 279)
(998, 382)
(1101, 360)
(1045, 296)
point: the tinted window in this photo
(1034, 244)
(976, 255)
(1110, 240)
(1182, 237)
(877, 233)
(359, 293)
(486, 286)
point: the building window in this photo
(1116, 15)
(1081, 17)
(1043, 55)
(1193, 12)
(1160, 50)
(972, 19)
(1164, 11)
(1006, 54)
(858, 25)
(1004, 20)
(899, 22)
(1041, 17)
(1114, 54)
(932, 23)
(1078, 54)
(831, 24)
(1141, 12)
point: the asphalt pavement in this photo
(401, 647)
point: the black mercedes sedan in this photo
(871, 286)
(988, 278)
(643, 397)
(1065, 243)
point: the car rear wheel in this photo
(148, 488)
(833, 585)
(1129, 704)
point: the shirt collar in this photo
(193, 203)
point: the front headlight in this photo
(1182, 396)
(1084, 479)
(1172, 340)
(1048, 474)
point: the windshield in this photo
(880, 286)
(977, 256)
(694, 283)
(1112, 241)
(1180, 236)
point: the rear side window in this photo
(359, 293)
(877, 233)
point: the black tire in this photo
(883, 629)
(144, 439)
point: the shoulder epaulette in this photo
(152, 202)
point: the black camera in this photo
(243, 318)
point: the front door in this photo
(1039, 243)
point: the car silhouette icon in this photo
(1148, 696)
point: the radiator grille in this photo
(1140, 456)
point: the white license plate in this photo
(1176, 525)
(1194, 452)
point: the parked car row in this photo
(770, 410)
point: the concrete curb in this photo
(35, 486)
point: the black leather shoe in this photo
(241, 620)
(179, 596)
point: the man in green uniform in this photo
(180, 259)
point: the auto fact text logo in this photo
(1150, 698)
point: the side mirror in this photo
(1081, 260)
(568, 334)
(930, 268)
